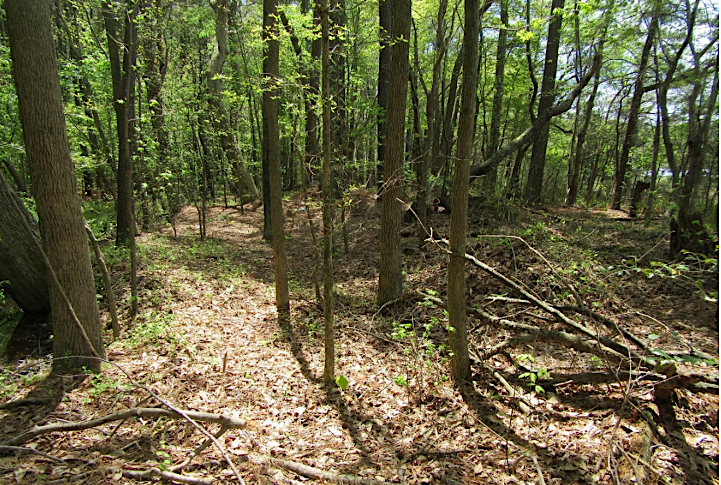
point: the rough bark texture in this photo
(534, 184)
(390, 279)
(458, 337)
(21, 264)
(270, 112)
(52, 173)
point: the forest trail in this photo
(207, 339)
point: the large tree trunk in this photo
(458, 337)
(21, 264)
(619, 184)
(53, 177)
(270, 115)
(390, 278)
(534, 184)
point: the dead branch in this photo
(112, 307)
(608, 323)
(22, 449)
(514, 393)
(223, 420)
(316, 473)
(155, 472)
(618, 348)
(591, 346)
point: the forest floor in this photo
(207, 339)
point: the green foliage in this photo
(534, 375)
(341, 382)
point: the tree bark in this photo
(458, 336)
(22, 272)
(53, 176)
(329, 339)
(270, 112)
(246, 185)
(498, 91)
(384, 78)
(619, 184)
(390, 278)
(123, 75)
(534, 184)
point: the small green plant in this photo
(341, 382)
(534, 375)
(102, 383)
(400, 381)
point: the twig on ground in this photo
(513, 392)
(155, 472)
(316, 473)
(23, 449)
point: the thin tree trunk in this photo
(270, 104)
(534, 183)
(458, 336)
(329, 343)
(619, 184)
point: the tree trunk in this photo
(329, 343)
(53, 176)
(390, 278)
(458, 336)
(246, 185)
(498, 91)
(575, 171)
(384, 79)
(687, 231)
(619, 184)
(123, 74)
(534, 184)
(22, 272)
(270, 111)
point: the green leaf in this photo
(653, 336)
(341, 382)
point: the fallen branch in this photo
(22, 449)
(155, 472)
(517, 396)
(112, 307)
(608, 323)
(591, 346)
(317, 473)
(223, 420)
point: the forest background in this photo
(176, 104)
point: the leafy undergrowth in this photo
(207, 339)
